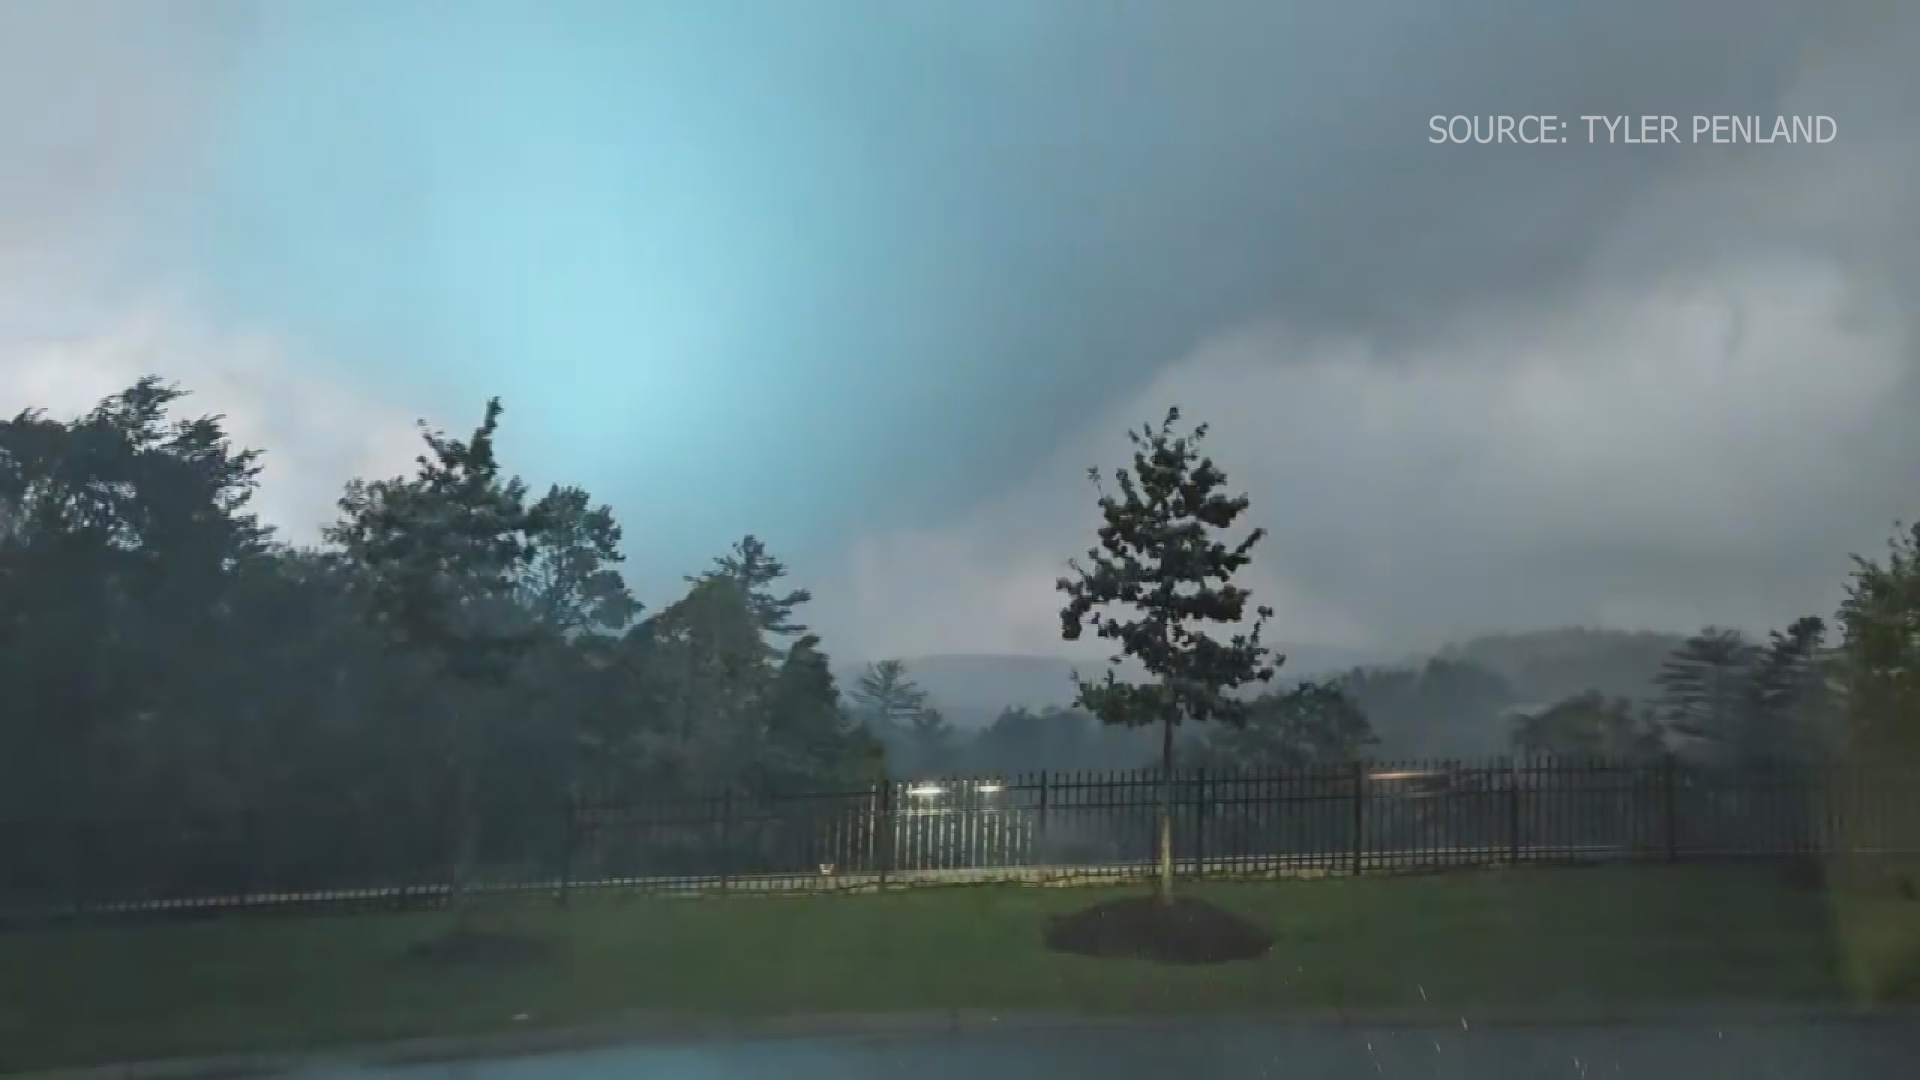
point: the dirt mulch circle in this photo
(1182, 932)
(479, 948)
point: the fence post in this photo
(251, 852)
(885, 830)
(78, 865)
(1040, 826)
(1828, 843)
(1513, 811)
(1359, 813)
(566, 846)
(1199, 823)
(1669, 782)
(726, 836)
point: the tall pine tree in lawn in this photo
(1159, 577)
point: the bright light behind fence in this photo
(989, 789)
(925, 791)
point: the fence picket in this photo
(1101, 824)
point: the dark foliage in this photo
(1157, 579)
(1312, 724)
(193, 706)
(1159, 563)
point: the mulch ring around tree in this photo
(1182, 932)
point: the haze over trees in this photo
(435, 677)
(456, 658)
(443, 558)
(889, 704)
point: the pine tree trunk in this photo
(1163, 834)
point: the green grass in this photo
(1468, 942)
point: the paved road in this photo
(1755, 1050)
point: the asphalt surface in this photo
(1827, 1049)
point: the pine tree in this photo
(750, 564)
(1793, 696)
(572, 582)
(1880, 651)
(886, 697)
(444, 554)
(1706, 686)
(894, 709)
(812, 740)
(1158, 560)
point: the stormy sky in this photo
(878, 279)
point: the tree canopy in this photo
(174, 670)
(1156, 580)
(1157, 577)
(177, 673)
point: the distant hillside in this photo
(1415, 718)
(1547, 665)
(972, 688)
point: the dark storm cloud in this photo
(913, 242)
(1100, 193)
(923, 260)
(1483, 388)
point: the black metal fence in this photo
(1043, 826)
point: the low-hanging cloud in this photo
(730, 233)
(1695, 418)
(318, 430)
(104, 109)
(1705, 450)
(104, 112)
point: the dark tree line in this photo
(431, 682)
(459, 658)
(1720, 700)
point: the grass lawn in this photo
(1467, 942)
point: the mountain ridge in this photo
(971, 689)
